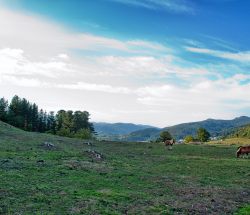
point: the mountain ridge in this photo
(216, 127)
(119, 128)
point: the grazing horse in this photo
(169, 143)
(243, 150)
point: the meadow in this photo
(74, 177)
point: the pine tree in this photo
(3, 109)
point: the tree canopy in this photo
(203, 135)
(188, 139)
(27, 116)
(165, 135)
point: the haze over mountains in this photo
(132, 132)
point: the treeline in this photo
(27, 116)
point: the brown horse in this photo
(169, 143)
(243, 150)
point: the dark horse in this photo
(169, 143)
(243, 150)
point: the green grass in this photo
(232, 141)
(132, 178)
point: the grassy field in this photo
(127, 178)
(232, 141)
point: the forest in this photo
(27, 116)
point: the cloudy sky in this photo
(157, 62)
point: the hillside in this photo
(142, 135)
(103, 128)
(215, 128)
(241, 132)
(45, 174)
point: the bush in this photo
(188, 139)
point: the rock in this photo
(95, 154)
(48, 145)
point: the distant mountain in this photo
(142, 135)
(214, 126)
(107, 129)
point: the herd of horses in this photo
(242, 150)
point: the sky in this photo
(156, 62)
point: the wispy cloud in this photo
(48, 34)
(178, 6)
(243, 57)
(14, 62)
(95, 87)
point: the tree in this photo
(83, 134)
(188, 139)
(25, 115)
(203, 135)
(15, 117)
(51, 124)
(34, 117)
(3, 109)
(165, 135)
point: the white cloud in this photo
(36, 35)
(147, 45)
(63, 56)
(95, 87)
(145, 66)
(22, 82)
(243, 57)
(14, 62)
(208, 93)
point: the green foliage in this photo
(203, 135)
(165, 135)
(3, 109)
(83, 134)
(188, 139)
(244, 210)
(25, 115)
(242, 132)
(65, 132)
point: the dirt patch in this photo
(84, 206)
(94, 155)
(101, 168)
(209, 200)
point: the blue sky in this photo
(184, 60)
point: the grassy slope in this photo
(243, 132)
(133, 178)
(239, 141)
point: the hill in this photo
(103, 128)
(214, 126)
(142, 135)
(241, 132)
(46, 174)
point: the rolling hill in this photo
(214, 126)
(103, 128)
